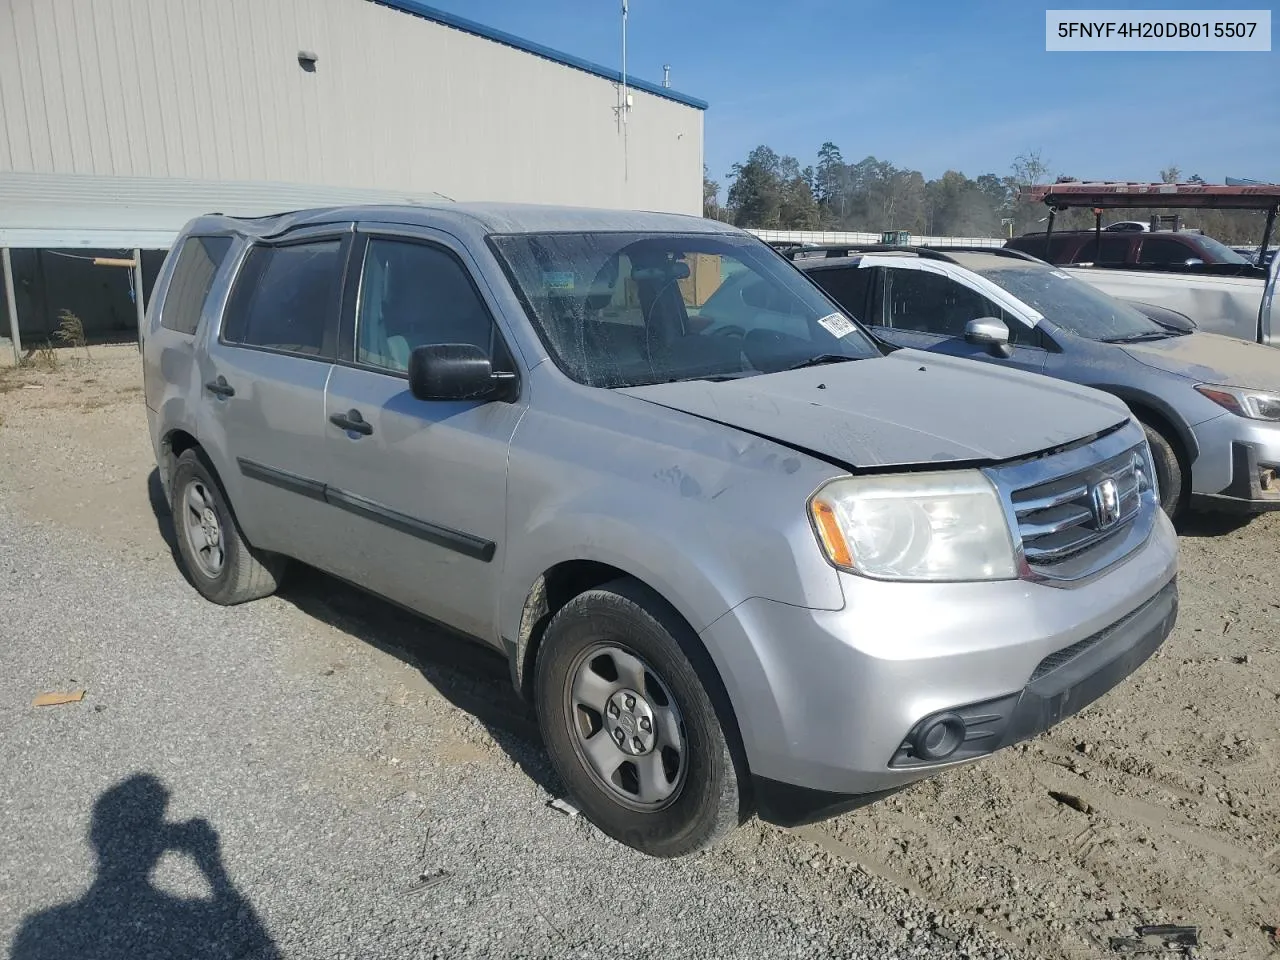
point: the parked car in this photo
(1234, 306)
(1210, 405)
(772, 568)
(1163, 249)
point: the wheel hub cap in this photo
(209, 527)
(203, 531)
(628, 719)
(626, 726)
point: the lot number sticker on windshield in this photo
(837, 324)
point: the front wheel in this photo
(1170, 472)
(630, 726)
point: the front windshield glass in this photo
(625, 309)
(1221, 252)
(1074, 305)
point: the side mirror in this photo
(456, 371)
(1193, 262)
(989, 332)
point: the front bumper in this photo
(826, 700)
(1238, 465)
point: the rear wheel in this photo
(1170, 472)
(219, 562)
(629, 725)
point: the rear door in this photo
(263, 378)
(418, 490)
(922, 306)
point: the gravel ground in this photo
(341, 750)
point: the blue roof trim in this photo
(528, 46)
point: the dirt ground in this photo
(1175, 772)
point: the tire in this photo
(599, 630)
(199, 507)
(1170, 472)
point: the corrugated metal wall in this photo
(212, 90)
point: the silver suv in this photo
(768, 568)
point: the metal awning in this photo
(125, 213)
(1122, 194)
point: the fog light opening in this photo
(939, 737)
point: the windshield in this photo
(1074, 305)
(1221, 252)
(625, 309)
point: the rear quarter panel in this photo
(172, 364)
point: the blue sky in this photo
(963, 85)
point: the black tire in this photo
(1170, 472)
(245, 573)
(710, 802)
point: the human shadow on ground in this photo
(123, 916)
(473, 677)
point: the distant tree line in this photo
(772, 191)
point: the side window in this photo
(847, 286)
(198, 263)
(1165, 251)
(933, 303)
(287, 299)
(1114, 250)
(414, 295)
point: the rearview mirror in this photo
(988, 332)
(457, 371)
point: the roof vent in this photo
(307, 60)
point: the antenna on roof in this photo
(666, 75)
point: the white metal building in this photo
(120, 119)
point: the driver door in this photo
(924, 308)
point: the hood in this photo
(907, 408)
(1211, 358)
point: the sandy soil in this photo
(1177, 769)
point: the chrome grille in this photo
(1060, 518)
(1078, 510)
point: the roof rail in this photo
(848, 249)
(1009, 252)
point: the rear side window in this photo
(198, 263)
(1165, 251)
(287, 299)
(848, 287)
(1114, 250)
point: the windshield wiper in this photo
(1139, 337)
(819, 360)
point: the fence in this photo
(829, 236)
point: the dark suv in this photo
(1161, 249)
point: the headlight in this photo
(916, 526)
(1254, 404)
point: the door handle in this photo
(353, 421)
(220, 387)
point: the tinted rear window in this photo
(1115, 249)
(847, 287)
(1034, 244)
(287, 299)
(198, 263)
